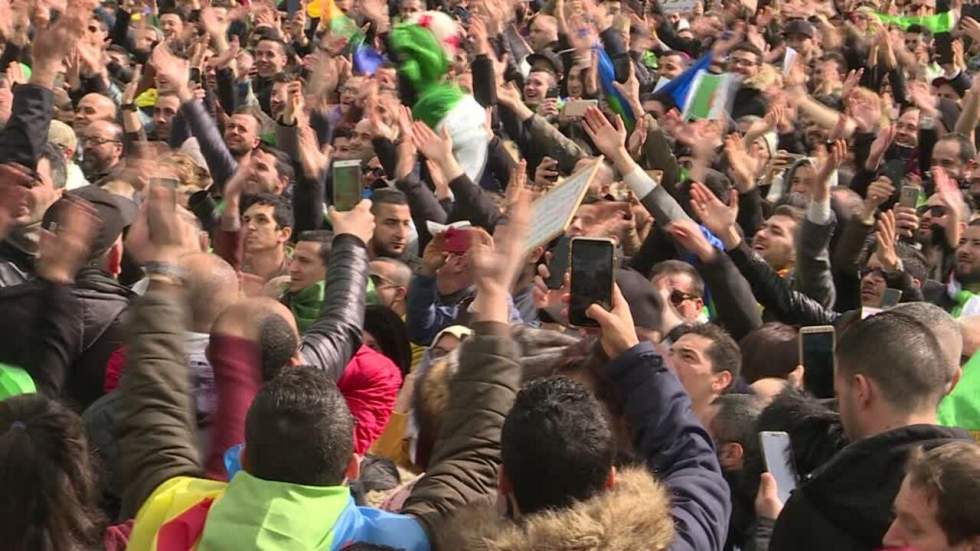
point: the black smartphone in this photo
(891, 298)
(346, 184)
(593, 274)
(817, 348)
(944, 48)
(292, 6)
(621, 67)
(558, 265)
(894, 170)
(972, 11)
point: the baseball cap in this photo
(546, 60)
(115, 212)
(799, 26)
(959, 85)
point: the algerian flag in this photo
(709, 96)
(939, 23)
(961, 407)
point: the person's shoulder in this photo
(371, 525)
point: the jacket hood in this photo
(855, 490)
(634, 514)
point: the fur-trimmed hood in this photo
(634, 515)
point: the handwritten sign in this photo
(553, 211)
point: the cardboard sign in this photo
(670, 7)
(553, 212)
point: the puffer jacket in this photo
(370, 386)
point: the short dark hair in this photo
(284, 165)
(387, 196)
(950, 476)
(173, 10)
(912, 376)
(769, 351)
(299, 430)
(57, 164)
(282, 211)
(390, 333)
(789, 211)
(723, 352)
(747, 47)
(836, 58)
(734, 420)
(323, 237)
(557, 445)
(668, 267)
(965, 150)
(278, 343)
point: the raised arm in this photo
(331, 341)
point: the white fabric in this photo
(639, 182)
(467, 125)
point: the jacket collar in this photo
(634, 514)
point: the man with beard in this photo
(964, 289)
(102, 150)
(956, 155)
(940, 227)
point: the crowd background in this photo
(199, 351)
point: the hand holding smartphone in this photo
(346, 184)
(778, 455)
(592, 278)
(817, 348)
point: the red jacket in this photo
(370, 384)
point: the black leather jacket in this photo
(331, 341)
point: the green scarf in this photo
(306, 305)
(939, 23)
(260, 514)
(424, 63)
(961, 408)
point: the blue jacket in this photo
(676, 447)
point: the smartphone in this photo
(558, 265)
(910, 196)
(457, 240)
(576, 108)
(621, 67)
(778, 454)
(891, 298)
(894, 170)
(593, 274)
(292, 6)
(944, 48)
(817, 348)
(346, 184)
(165, 181)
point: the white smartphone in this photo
(778, 455)
(817, 348)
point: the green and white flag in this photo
(709, 96)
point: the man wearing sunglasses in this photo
(940, 228)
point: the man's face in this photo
(95, 33)
(93, 107)
(587, 222)
(41, 195)
(392, 230)
(360, 142)
(968, 256)
(946, 155)
(775, 241)
(408, 8)
(800, 42)
(907, 129)
(269, 58)
(144, 39)
(670, 66)
(743, 63)
(163, 115)
(241, 134)
(541, 34)
(688, 357)
(916, 525)
(915, 43)
(262, 233)
(277, 100)
(947, 91)
(933, 212)
(873, 284)
(682, 294)
(803, 178)
(101, 148)
(171, 25)
(265, 176)
(348, 94)
(388, 291)
(306, 268)
(536, 87)
(827, 71)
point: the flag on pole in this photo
(939, 23)
(698, 93)
(616, 101)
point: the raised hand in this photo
(65, 250)
(173, 73)
(821, 184)
(687, 234)
(608, 139)
(616, 329)
(714, 214)
(358, 221)
(313, 160)
(886, 236)
(436, 147)
(742, 164)
(880, 146)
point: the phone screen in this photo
(591, 279)
(558, 265)
(346, 184)
(818, 351)
(779, 461)
(944, 48)
(894, 170)
(891, 298)
(910, 196)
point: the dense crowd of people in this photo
(275, 275)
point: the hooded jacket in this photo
(634, 514)
(847, 503)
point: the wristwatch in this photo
(129, 107)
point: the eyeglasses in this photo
(678, 297)
(95, 142)
(934, 210)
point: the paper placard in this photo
(789, 60)
(669, 7)
(552, 212)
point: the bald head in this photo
(94, 107)
(267, 323)
(212, 287)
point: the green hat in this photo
(15, 381)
